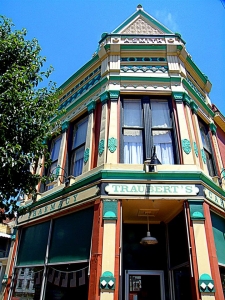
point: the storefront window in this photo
(222, 276)
(27, 283)
(68, 281)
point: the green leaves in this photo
(25, 111)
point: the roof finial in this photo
(139, 7)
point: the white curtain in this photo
(164, 150)
(133, 147)
(79, 159)
(160, 115)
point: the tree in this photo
(25, 113)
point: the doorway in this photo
(144, 285)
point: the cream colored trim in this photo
(188, 158)
(103, 133)
(113, 132)
(88, 144)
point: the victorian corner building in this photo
(136, 209)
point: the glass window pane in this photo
(55, 149)
(27, 283)
(77, 163)
(133, 146)
(132, 113)
(164, 148)
(160, 114)
(80, 134)
(205, 137)
(71, 237)
(33, 245)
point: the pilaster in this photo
(89, 137)
(112, 150)
(205, 280)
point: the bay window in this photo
(146, 123)
(78, 147)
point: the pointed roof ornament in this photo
(140, 7)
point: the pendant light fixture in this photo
(148, 240)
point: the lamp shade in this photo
(149, 240)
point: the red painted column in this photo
(194, 280)
(212, 253)
(96, 253)
(6, 294)
(117, 253)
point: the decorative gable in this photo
(140, 26)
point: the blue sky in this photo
(69, 31)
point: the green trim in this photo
(186, 99)
(79, 72)
(196, 69)
(83, 97)
(194, 106)
(145, 15)
(178, 96)
(130, 175)
(196, 210)
(101, 147)
(109, 210)
(204, 105)
(143, 47)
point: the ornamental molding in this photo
(140, 26)
(203, 156)
(186, 145)
(101, 147)
(112, 144)
(195, 149)
(86, 155)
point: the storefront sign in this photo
(59, 204)
(151, 189)
(214, 198)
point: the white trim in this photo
(5, 235)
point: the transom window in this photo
(78, 147)
(146, 124)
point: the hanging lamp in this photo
(148, 240)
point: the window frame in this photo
(210, 162)
(73, 148)
(147, 123)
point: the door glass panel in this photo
(144, 287)
(182, 284)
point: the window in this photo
(54, 155)
(78, 147)
(146, 123)
(207, 150)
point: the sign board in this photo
(151, 189)
(214, 198)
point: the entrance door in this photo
(144, 285)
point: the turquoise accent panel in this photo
(65, 125)
(107, 281)
(109, 210)
(196, 210)
(112, 144)
(104, 96)
(86, 155)
(218, 225)
(114, 94)
(186, 145)
(195, 149)
(212, 127)
(91, 106)
(206, 284)
(203, 156)
(205, 277)
(101, 147)
(194, 107)
(33, 243)
(178, 96)
(71, 237)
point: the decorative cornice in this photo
(186, 146)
